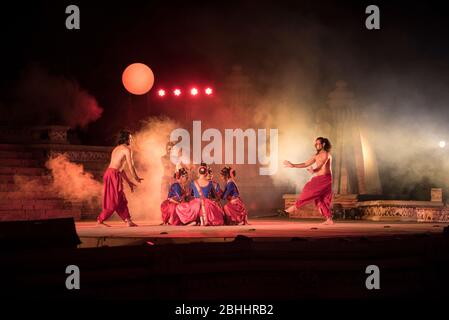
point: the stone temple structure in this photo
(355, 171)
(355, 168)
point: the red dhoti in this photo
(114, 198)
(319, 190)
(188, 212)
(214, 213)
(235, 211)
(192, 211)
(167, 210)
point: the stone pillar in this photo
(349, 162)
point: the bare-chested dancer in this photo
(114, 198)
(319, 188)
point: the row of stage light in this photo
(178, 92)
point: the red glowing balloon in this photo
(138, 78)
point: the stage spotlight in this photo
(177, 92)
(442, 144)
(194, 91)
(161, 92)
(208, 91)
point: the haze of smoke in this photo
(30, 185)
(41, 98)
(149, 145)
(407, 147)
(70, 181)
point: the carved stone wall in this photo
(415, 211)
(347, 207)
(42, 134)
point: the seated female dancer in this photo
(235, 211)
(176, 195)
(207, 210)
(216, 195)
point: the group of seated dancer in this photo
(199, 202)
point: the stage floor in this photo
(260, 229)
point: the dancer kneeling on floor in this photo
(206, 211)
(235, 210)
(176, 195)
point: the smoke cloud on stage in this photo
(67, 180)
(406, 122)
(41, 98)
(70, 181)
(149, 146)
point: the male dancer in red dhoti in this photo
(114, 198)
(319, 188)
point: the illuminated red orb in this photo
(138, 78)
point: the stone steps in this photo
(28, 204)
(4, 171)
(44, 194)
(17, 162)
(39, 214)
(10, 186)
(25, 183)
(9, 178)
(13, 147)
(7, 187)
(16, 155)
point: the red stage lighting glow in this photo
(161, 92)
(208, 91)
(177, 92)
(194, 91)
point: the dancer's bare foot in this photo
(290, 209)
(328, 222)
(193, 223)
(102, 224)
(130, 223)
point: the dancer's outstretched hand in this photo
(310, 169)
(288, 164)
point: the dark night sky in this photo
(192, 41)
